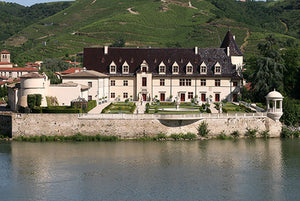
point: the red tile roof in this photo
(5, 52)
(71, 70)
(18, 69)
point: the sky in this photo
(31, 2)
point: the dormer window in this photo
(125, 68)
(112, 68)
(217, 68)
(203, 68)
(175, 68)
(189, 68)
(144, 67)
(162, 68)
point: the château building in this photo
(207, 74)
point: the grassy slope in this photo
(157, 25)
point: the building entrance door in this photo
(182, 97)
(162, 97)
(144, 97)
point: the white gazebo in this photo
(274, 105)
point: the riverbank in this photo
(252, 134)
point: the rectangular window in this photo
(113, 83)
(203, 69)
(161, 69)
(90, 84)
(203, 97)
(218, 69)
(175, 69)
(203, 82)
(234, 84)
(112, 69)
(125, 69)
(112, 95)
(144, 69)
(217, 82)
(125, 95)
(162, 82)
(190, 95)
(181, 82)
(89, 98)
(144, 81)
(189, 69)
(125, 83)
(188, 82)
(217, 97)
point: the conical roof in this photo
(230, 42)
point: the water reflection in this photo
(196, 170)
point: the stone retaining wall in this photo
(131, 126)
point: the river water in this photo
(186, 170)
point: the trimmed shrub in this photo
(38, 99)
(91, 104)
(31, 101)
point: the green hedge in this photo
(56, 109)
(91, 104)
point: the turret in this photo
(274, 105)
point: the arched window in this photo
(144, 66)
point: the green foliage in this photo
(251, 133)
(176, 136)
(189, 136)
(38, 99)
(223, 136)
(73, 138)
(235, 134)
(203, 129)
(120, 107)
(265, 134)
(161, 136)
(31, 101)
(91, 104)
(286, 133)
(291, 111)
(56, 109)
(3, 91)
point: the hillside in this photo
(153, 23)
(14, 17)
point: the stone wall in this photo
(131, 126)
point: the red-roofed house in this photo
(7, 69)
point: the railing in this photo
(172, 116)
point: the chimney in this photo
(105, 49)
(196, 50)
(228, 51)
(233, 37)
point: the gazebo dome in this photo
(274, 94)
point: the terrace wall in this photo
(132, 126)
